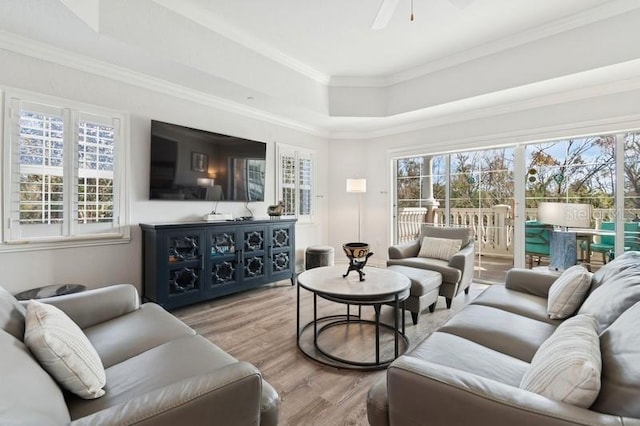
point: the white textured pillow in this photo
(63, 350)
(568, 292)
(439, 248)
(567, 366)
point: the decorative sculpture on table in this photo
(358, 254)
(276, 210)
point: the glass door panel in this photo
(632, 192)
(579, 170)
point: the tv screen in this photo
(191, 164)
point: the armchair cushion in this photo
(439, 248)
(453, 233)
(568, 292)
(449, 274)
(63, 350)
(567, 365)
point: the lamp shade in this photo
(570, 215)
(356, 185)
(205, 181)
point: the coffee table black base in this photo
(312, 350)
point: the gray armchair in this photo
(457, 272)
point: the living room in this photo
(569, 71)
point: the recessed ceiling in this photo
(319, 67)
(335, 38)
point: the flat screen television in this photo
(191, 164)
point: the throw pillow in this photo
(439, 248)
(568, 292)
(620, 366)
(11, 315)
(63, 350)
(567, 366)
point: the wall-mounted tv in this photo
(192, 164)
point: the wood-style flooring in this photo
(259, 326)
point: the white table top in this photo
(591, 231)
(378, 282)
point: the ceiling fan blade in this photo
(387, 8)
(461, 4)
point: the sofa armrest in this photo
(98, 305)
(402, 251)
(420, 390)
(529, 281)
(229, 395)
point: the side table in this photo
(50, 291)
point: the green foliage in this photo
(579, 170)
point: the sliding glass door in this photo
(477, 189)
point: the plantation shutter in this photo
(60, 175)
(296, 181)
(36, 173)
(305, 184)
(94, 207)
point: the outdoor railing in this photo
(492, 227)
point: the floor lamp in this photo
(358, 186)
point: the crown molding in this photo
(213, 23)
(28, 47)
(598, 13)
(606, 81)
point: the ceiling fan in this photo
(388, 8)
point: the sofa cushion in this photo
(460, 353)
(439, 248)
(164, 365)
(609, 271)
(28, 395)
(618, 290)
(131, 334)
(568, 292)
(517, 302)
(63, 350)
(12, 315)
(620, 347)
(567, 366)
(505, 332)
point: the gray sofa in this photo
(457, 272)
(159, 371)
(469, 371)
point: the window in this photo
(296, 181)
(62, 172)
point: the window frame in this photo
(74, 112)
(298, 154)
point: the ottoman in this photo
(316, 256)
(425, 286)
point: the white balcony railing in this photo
(492, 227)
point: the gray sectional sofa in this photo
(470, 370)
(158, 370)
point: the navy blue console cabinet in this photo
(189, 262)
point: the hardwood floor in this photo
(259, 326)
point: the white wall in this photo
(103, 265)
(371, 158)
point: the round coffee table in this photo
(380, 287)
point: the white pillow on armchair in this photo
(439, 248)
